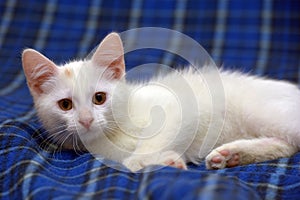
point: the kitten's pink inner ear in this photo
(37, 69)
(110, 54)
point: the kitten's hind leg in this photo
(246, 151)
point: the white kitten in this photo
(87, 104)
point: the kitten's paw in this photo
(171, 158)
(220, 158)
(167, 158)
(134, 163)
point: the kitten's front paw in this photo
(167, 158)
(134, 163)
(171, 158)
(220, 158)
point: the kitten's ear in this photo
(110, 54)
(38, 69)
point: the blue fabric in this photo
(260, 37)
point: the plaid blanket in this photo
(258, 36)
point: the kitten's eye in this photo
(99, 98)
(65, 104)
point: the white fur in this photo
(254, 108)
(180, 117)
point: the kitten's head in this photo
(74, 98)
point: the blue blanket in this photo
(259, 37)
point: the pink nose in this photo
(86, 122)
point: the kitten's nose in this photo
(85, 117)
(86, 122)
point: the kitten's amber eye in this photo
(65, 104)
(99, 98)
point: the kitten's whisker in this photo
(65, 139)
(75, 146)
(54, 129)
(43, 133)
(52, 136)
(52, 140)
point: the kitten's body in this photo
(158, 121)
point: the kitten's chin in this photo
(88, 137)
